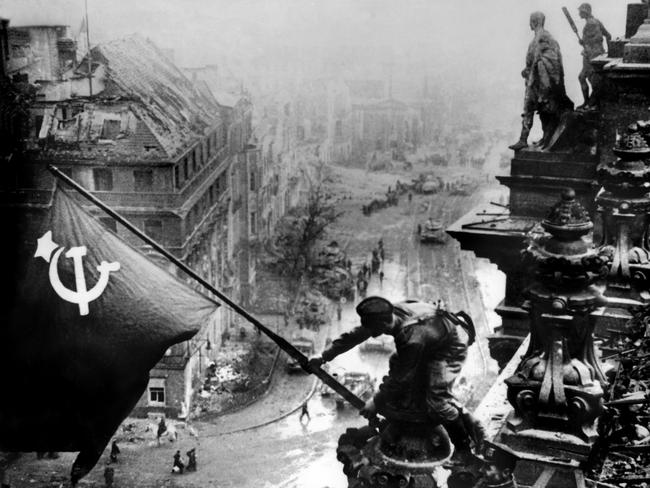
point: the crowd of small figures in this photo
(623, 454)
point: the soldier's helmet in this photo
(374, 309)
(585, 7)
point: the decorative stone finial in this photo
(567, 219)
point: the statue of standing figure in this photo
(593, 34)
(545, 92)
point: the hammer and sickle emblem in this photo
(81, 296)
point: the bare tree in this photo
(304, 226)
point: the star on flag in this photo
(46, 246)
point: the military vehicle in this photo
(432, 231)
(361, 384)
(306, 346)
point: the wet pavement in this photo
(265, 445)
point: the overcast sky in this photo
(469, 41)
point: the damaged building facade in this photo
(129, 126)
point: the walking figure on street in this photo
(381, 278)
(304, 412)
(162, 428)
(286, 316)
(339, 311)
(109, 475)
(114, 451)
(178, 466)
(191, 459)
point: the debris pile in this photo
(238, 369)
(625, 426)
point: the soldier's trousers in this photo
(441, 403)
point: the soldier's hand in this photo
(316, 362)
(369, 410)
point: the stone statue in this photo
(415, 397)
(544, 75)
(592, 42)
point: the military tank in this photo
(432, 231)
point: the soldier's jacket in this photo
(431, 347)
(592, 38)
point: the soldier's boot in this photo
(522, 142)
(523, 138)
(585, 96)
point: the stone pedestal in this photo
(556, 390)
(396, 455)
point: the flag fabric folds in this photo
(84, 317)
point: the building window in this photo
(143, 180)
(153, 228)
(103, 179)
(252, 180)
(177, 176)
(223, 182)
(234, 186)
(253, 223)
(287, 201)
(157, 392)
(186, 171)
(194, 161)
(109, 223)
(110, 129)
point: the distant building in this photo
(385, 125)
(42, 53)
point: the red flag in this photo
(84, 317)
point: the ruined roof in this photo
(173, 109)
